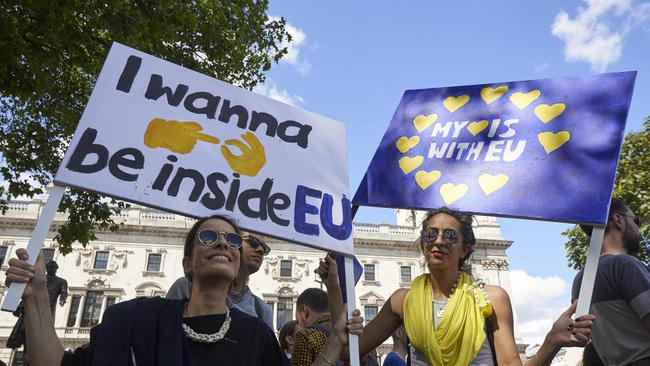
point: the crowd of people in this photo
(211, 317)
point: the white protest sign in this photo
(165, 136)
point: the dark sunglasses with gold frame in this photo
(256, 243)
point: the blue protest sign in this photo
(540, 149)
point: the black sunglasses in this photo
(449, 236)
(209, 237)
(256, 243)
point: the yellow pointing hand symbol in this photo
(252, 159)
(179, 137)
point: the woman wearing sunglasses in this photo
(253, 251)
(449, 318)
(156, 331)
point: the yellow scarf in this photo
(461, 331)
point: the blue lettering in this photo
(302, 209)
(340, 232)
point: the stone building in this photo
(143, 259)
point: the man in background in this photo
(313, 315)
(397, 356)
(621, 297)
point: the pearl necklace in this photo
(208, 338)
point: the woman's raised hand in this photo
(564, 327)
(20, 271)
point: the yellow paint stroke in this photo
(547, 112)
(405, 144)
(453, 103)
(552, 141)
(476, 127)
(424, 179)
(175, 136)
(252, 159)
(422, 122)
(450, 193)
(522, 100)
(408, 164)
(492, 183)
(489, 94)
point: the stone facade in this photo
(143, 259)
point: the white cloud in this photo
(293, 56)
(539, 301)
(269, 89)
(597, 32)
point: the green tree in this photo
(52, 52)
(632, 185)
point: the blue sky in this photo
(351, 61)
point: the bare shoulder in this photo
(397, 301)
(497, 295)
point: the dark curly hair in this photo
(239, 284)
(616, 206)
(465, 220)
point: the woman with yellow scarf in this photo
(451, 320)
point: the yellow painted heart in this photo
(408, 164)
(522, 100)
(405, 144)
(476, 127)
(453, 103)
(421, 122)
(492, 183)
(424, 179)
(489, 94)
(551, 141)
(547, 112)
(451, 193)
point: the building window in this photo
(74, 309)
(101, 260)
(92, 309)
(153, 262)
(370, 312)
(285, 311)
(285, 268)
(110, 300)
(405, 274)
(368, 272)
(48, 255)
(3, 254)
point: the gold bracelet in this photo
(326, 360)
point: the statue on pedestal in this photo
(57, 288)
